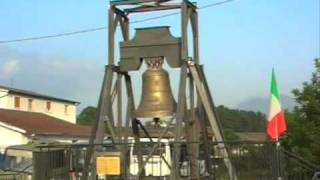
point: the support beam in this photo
(119, 107)
(204, 96)
(162, 134)
(151, 141)
(137, 146)
(120, 131)
(129, 114)
(202, 118)
(134, 2)
(126, 150)
(205, 83)
(184, 30)
(132, 117)
(112, 25)
(191, 96)
(105, 113)
(175, 173)
(98, 128)
(124, 25)
(195, 33)
(192, 133)
(150, 8)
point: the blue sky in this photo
(240, 42)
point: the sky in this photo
(240, 42)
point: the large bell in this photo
(157, 100)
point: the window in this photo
(48, 105)
(30, 104)
(65, 109)
(17, 102)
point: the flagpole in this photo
(278, 153)
(276, 122)
(278, 160)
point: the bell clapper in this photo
(156, 122)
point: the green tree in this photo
(303, 136)
(229, 135)
(87, 116)
(234, 120)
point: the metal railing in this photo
(251, 160)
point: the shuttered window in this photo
(17, 102)
(48, 105)
(65, 109)
(30, 104)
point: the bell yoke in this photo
(152, 46)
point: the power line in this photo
(215, 4)
(104, 27)
(54, 35)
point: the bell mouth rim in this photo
(151, 115)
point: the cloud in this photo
(9, 68)
(54, 75)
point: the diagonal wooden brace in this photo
(205, 98)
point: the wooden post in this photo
(195, 33)
(184, 31)
(204, 96)
(98, 128)
(175, 173)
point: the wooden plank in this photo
(184, 31)
(105, 112)
(119, 107)
(151, 8)
(150, 139)
(175, 173)
(162, 134)
(124, 25)
(98, 124)
(195, 33)
(132, 116)
(202, 119)
(212, 119)
(134, 2)
(192, 133)
(128, 120)
(111, 33)
(204, 79)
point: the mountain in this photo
(259, 104)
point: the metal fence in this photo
(251, 160)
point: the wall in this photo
(40, 105)
(10, 136)
(3, 98)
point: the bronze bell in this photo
(156, 99)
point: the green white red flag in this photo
(276, 125)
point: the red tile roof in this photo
(39, 123)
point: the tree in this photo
(303, 136)
(87, 116)
(234, 120)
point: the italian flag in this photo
(276, 123)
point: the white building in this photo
(18, 127)
(22, 100)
